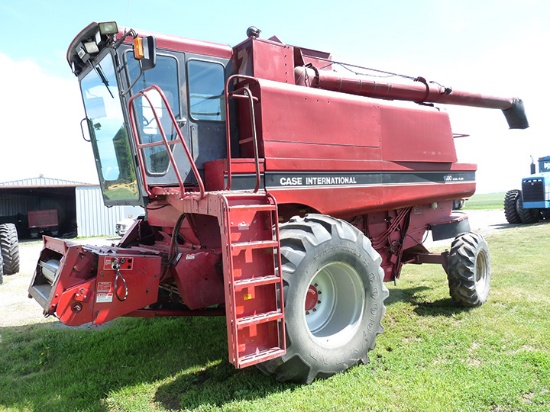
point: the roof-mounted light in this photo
(91, 47)
(108, 27)
(82, 53)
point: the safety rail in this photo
(247, 94)
(164, 142)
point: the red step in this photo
(254, 287)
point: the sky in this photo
(497, 47)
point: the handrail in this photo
(164, 141)
(246, 90)
(254, 136)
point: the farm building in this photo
(78, 208)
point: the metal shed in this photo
(79, 206)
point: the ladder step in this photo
(259, 244)
(257, 281)
(254, 298)
(259, 318)
(260, 356)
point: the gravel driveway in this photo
(16, 309)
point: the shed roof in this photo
(41, 181)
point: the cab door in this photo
(206, 102)
(170, 75)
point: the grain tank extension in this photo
(278, 194)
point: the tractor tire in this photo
(469, 270)
(527, 216)
(1, 269)
(458, 204)
(10, 248)
(334, 298)
(510, 206)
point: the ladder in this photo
(253, 278)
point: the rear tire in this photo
(527, 216)
(469, 270)
(10, 248)
(510, 208)
(334, 298)
(458, 204)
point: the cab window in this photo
(206, 90)
(164, 75)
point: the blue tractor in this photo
(532, 202)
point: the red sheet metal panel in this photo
(265, 59)
(298, 122)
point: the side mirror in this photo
(145, 50)
(533, 168)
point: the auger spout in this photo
(418, 90)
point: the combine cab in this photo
(278, 193)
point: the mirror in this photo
(145, 50)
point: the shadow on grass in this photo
(180, 363)
(414, 296)
(47, 368)
(216, 386)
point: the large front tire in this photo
(510, 206)
(469, 270)
(334, 298)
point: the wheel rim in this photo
(482, 274)
(334, 304)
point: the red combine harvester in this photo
(278, 193)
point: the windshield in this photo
(116, 170)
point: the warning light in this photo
(138, 48)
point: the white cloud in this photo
(40, 125)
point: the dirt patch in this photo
(484, 222)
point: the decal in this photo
(104, 298)
(291, 181)
(303, 180)
(104, 287)
(338, 180)
(453, 178)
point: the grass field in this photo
(485, 201)
(432, 357)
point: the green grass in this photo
(433, 356)
(485, 201)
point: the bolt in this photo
(319, 292)
(77, 307)
(315, 310)
(307, 312)
(315, 284)
(318, 301)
